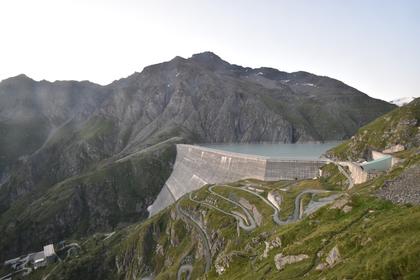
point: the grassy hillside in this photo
(375, 238)
(400, 126)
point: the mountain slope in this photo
(400, 126)
(230, 232)
(80, 131)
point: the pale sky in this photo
(373, 46)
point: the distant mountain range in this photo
(77, 157)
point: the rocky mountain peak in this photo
(210, 60)
(22, 78)
(208, 55)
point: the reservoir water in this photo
(309, 151)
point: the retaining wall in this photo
(358, 175)
(196, 166)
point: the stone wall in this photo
(196, 166)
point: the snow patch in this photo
(402, 101)
(308, 84)
(260, 73)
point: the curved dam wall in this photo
(196, 166)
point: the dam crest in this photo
(196, 166)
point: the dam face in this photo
(196, 166)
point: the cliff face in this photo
(69, 136)
(220, 102)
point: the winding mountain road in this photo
(201, 231)
(275, 215)
(344, 172)
(276, 218)
(239, 219)
(246, 225)
(251, 220)
(297, 212)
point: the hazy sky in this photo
(371, 45)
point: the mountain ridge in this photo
(201, 57)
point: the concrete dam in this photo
(196, 166)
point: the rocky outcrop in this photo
(222, 262)
(342, 204)
(275, 198)
(394, 149)
(270, 245)
(281, 261)
(332, 258)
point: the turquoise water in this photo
(286, 151)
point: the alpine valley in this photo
(80, 163)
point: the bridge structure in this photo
(196, 166)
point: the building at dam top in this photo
(196, 166)
(381, 162)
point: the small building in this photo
(42, 258)
(49, 253)
(381, 164)
(361, 172)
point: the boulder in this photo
(347, 208)
(281, 261)
(332, 259)
(333, 256)
(340, 203)
(394, 149)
